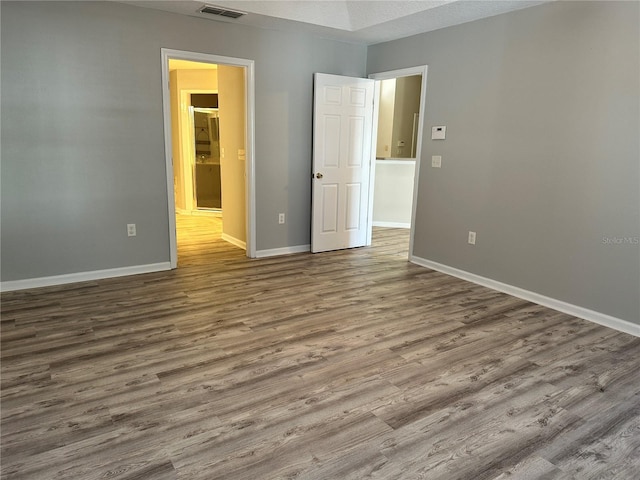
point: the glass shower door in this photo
(208, 190)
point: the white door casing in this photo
(248, 65)
(342, 143)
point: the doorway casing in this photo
(248, 66)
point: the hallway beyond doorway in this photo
(200, 241)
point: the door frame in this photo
(188, 151)
(250, 215)
(388, 75)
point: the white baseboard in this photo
(272, 252)
(234, 241)
(82, 276)
(206, 213)
(391, 224)
(199, 213)
(575, 310)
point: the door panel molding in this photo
(342, 155)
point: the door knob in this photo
(319, 175)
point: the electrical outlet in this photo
(131, 229)
(281, 218)
(436, 161)
(472, 238)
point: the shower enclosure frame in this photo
(193, 140)
(188, 152)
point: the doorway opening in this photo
(208, 110)
(195, 132)
(398, 129)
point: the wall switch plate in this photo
(438, 132)
(472, 238)
(281, 218)
(131, 229)
(436, 161)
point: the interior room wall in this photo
(541, 156)
(407, 103)
(176, 144)
(231, 99)
(82, 130)
(385, 117)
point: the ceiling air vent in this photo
(222, 12)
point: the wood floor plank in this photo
(352, 364)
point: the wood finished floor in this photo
(346, 365)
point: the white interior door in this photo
(342, 142)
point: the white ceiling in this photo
(360, 21)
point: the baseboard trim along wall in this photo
(234, 241)
(391, 224)
(273, 252)
(205, 213)
(11, 285)
(564, 307)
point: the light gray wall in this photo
(82, 133)
(542, 152)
